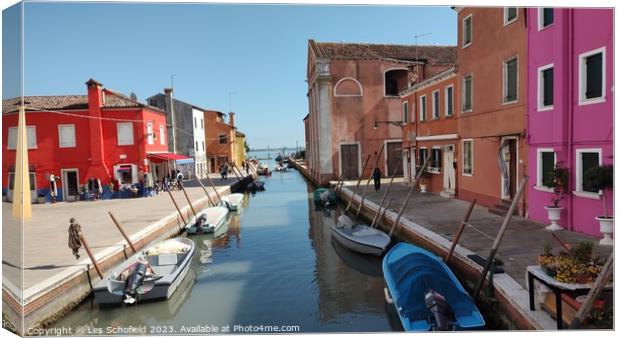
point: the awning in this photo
(169, 157)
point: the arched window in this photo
(395, 81)
(348, 86)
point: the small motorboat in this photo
(361, 238)
(154, 273)
(324, 197)
(279, 167)
(233, 201)
(425, 292)
(208, 221)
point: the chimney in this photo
(95, 94)
(170, 120)
(231, 119)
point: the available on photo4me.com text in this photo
(164, 329)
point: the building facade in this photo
(103, 135)
(220, 139)
(570, 115)
(492, 68)
(186, 126)
(354, 103)
(239, 147)
(432, 129)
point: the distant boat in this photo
(425, 292)
(215, 218)
(130, 282)
(233, 201)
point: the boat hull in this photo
(233, 201)
(346, 236)
(216, 217)
(410, 272)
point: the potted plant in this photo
(601, 178)
(558, 182)
(546, 260)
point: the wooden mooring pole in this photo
(206, 193)
(358, 184)
(402, 210)
(177, 206)
(459, 232)
(359, 206)
(90, 254)
(599, 285)
(122, 230)
(213, 186)
(191, 206)
(500, 235)
(385, 194)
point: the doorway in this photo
(394, 153)
(449, 175)
(510, 155)
(70, 184)
(349, 161)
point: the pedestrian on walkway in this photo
(74, 237)
(179, 179)
(53, 187)
(376, 175)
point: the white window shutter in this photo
(31, 134)
(12, 138)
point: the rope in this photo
(479, 231)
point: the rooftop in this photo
(336, 50)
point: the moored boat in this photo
(154, 273)
(215, 217)
(361, 238)
(233, 201)
(426, 294)
(324, 197)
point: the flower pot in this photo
(422, 187)
(606, 225)
(554, 215)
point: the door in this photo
(394, 153)
(70, 185)
(212, 164)
(406, 159)
(349, 161)
(509, 171)
(449, 175)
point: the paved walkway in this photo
(45, 251)
(522, 242)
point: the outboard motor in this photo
(200, 221)
(325, 199)
(441, 310)
(134, 281)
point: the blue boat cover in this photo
(410, 272)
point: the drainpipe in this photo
(570, 94)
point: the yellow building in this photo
(239, 147)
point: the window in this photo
(436, 104)
(223, 139)
(545, 87)
(468, 157)
(149, 133)
(436, 159)
(161, 135)
(467, 93)
(586, 159)
(405, 112)
(510, 15)
(544, 166)
(202, 123)
(124, 133)
(592, 76)
(195, 122)
(197, 146)
(511, 79)
(203, 145)
(423, 153)
(545, 17)
(467, 31)
(449, 107)
(12, 181)
(66, 135)
(423, 108)
(31, 135)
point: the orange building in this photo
(491, 106)
(220, 139)
(432, 129)
(354, 103)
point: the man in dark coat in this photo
(74, 237)
(376, 175)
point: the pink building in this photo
(570, 108)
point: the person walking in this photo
(376, 175)
(74, 237)
(179, 179)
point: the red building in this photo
(103, 135)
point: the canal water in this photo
(274, 264)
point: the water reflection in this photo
(286, 271)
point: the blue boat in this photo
(425, 292)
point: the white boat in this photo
(279, 167)
(154, 273)
(233, 201)
(360, 237)
(215, 218)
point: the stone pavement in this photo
(522, 242)
(45, 251)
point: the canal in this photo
(274, 264)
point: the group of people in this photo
(225, 168)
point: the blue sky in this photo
(256, 51)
